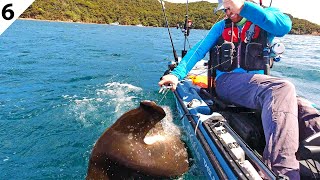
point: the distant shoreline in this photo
(31, 19)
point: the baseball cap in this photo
(219, 7)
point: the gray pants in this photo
(280, 108)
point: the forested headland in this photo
(136, 12)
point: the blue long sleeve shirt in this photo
(270, 19)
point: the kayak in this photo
(227, 141)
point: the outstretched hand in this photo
(169, 80)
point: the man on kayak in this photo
(239, 40)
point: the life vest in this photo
(246, 48)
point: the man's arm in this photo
(270, 19)
(198, 51)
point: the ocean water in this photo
(63, 84)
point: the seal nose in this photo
(151, 106)
(148, 103)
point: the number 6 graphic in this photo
(5, 11)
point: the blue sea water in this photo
(63, 84)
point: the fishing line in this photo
(164, 95)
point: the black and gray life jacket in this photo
(246, 49)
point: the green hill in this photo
(133, 12)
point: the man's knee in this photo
(287, 87)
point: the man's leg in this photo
(276, 98)
(309, 119)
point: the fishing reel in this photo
(277, 49)
(171, 66)
(186, 27)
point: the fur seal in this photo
(121, 152)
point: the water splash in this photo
(164, 129)
(83, 108)
(105, 105)
(167, 123)
(121, 96)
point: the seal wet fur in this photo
(121, 153)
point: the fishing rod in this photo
(167, 24)
(186, 28)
